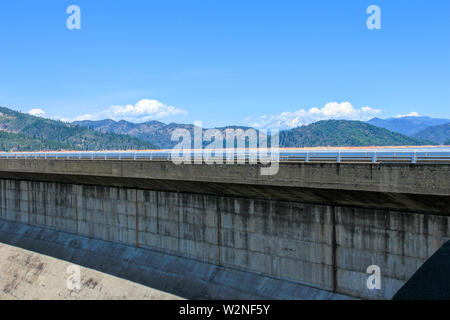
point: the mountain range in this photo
(432, 129)
(439, 134)
(407, 125)
(154, 132)
(322, 133)
(23, 132)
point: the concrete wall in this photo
(188, 278)
(408, 187)
(323, 246)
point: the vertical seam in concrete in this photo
(178, 212)
(44, 197)
(29, 202)
(76, 207)
(157, 218)
(90, 211)
(333, 249)
(2, 200)
(137, 220)
(17, 200)
(54, 204)
(219, 231)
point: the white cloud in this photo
(331, 110)
(144, 110)
(412, 114)
(37, 112)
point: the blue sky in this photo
(226, 62)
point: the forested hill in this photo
(439, 134)
(152, 131)
(344, 133)
(23, 132)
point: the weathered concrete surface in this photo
(28, 275)
(396, 178)
(431, 281)
(327, 247)
(408, 187)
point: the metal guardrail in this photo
(430, 155)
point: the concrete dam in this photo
(226, 232)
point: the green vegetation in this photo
(344, 133)
(19, 142)
(152, 131)
(438, 134)
(407, 125)
(25, 132)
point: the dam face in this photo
(264, 243)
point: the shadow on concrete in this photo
(187, 278)
(431, 281)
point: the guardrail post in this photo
(134, 156)
(92, 156)
(307, 157)
(374, 157)
(338, 159)
(414, 158)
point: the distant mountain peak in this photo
(407, 125)
(439, 134)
